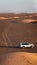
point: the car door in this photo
(27, 45)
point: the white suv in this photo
(26, 44)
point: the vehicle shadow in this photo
(18, 49)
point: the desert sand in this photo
(13, 30)
(18, 58)
(12, 34)
(28, 20)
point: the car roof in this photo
(25, 42)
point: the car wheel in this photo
(23, 47)
(32, 47)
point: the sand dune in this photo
(28, 20)
(19, 58)
(13, 33)
(3, 18)
(6, 18)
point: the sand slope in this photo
(19, 58)
(13, 34)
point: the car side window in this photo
(27, 44)
(24, 43)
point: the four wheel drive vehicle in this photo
(26, 44)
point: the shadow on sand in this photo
(18, 49)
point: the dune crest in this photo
(19, 58)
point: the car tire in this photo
(23, 47)
(32, 47)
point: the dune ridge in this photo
(19, 58)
